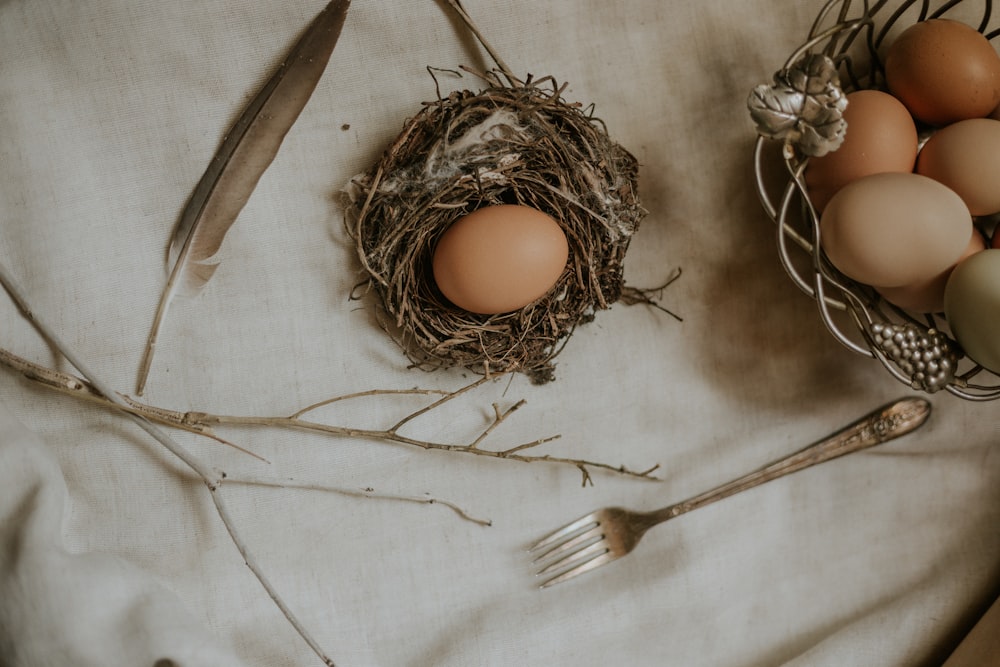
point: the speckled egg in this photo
(943, 71)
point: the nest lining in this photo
(506, 144)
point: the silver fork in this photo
(608, 534)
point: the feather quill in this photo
(245, 153)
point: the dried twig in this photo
(456, 5)
(202, 423)
(367, 492)
(644, 295)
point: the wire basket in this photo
(842, 53)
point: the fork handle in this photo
(881, 425)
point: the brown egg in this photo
(499, 259)
(965, 156)
(927, 296)
(943, 71)
(881, 136)
(893, 229)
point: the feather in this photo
(246, 152)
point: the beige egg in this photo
(928, 296)
(965, 156)
(499, 259)
(881, 136)
(894, 229)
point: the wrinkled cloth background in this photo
(111, 551)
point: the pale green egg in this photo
(972, 306)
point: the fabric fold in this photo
(59, 608)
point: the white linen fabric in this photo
(63, 608)
(112, 553)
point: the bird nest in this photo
(510, 143)
(802, 109)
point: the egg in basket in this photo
(888, 122)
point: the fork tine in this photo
(593, 563)
(572, 545)
(576, 558)
(583, 522)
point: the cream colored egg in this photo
(972, 307)
(499, 259)
(895, 229)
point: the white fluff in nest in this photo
(450, 158)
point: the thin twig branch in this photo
(372, 392)
(474, 29)
(80, 388)
(201, 423)
(367, 492)
(441, 401)
(635, 295)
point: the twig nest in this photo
(517, 144)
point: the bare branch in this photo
(367, 492)
(371, 392)
(201, 423)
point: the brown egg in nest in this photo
(512, 143)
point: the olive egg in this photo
(972, 306)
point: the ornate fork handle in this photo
(885, 423)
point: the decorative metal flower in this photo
(804, 106)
